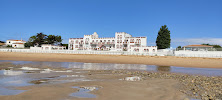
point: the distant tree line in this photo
(40, 38)
(2, 42)
(214, 46)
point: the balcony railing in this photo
(137, 42)
(125, 42)
(81, 43)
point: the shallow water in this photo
(83, 93)
(9, 80)
(109, 66)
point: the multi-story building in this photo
(121, 42)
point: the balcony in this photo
(137, 42)
(94, 43)
(125, 42)
(81, 43)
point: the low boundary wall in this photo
(210, 54)
(80, 52)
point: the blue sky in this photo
(190, 21)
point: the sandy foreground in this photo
(148, 60)
(110, 87)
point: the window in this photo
(77, 41)
(131, 40)
(76, 46)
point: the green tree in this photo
(64, 45)
(163, 39)
(41, 38)
(31, 41)
(214, 46)
(179, 47)
(2, 42)
(52, 39)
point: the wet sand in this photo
(112, 84)
(122, 59)
(111, 88)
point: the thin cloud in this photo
(189, 41)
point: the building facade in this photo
(121, 42)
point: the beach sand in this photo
(122, 59)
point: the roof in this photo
(17, 43)
(198, 46)
(75, 38)
(16, 40)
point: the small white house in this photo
(144, 49)
(52, 47)
(16, 43)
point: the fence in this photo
(210, 54)
(83, 52)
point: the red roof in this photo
(17, 43)
(198, 46)
(15, 40)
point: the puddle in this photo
(39, 81)
(83, 92)
(6, 91)
(29, 68)
(10, 72)
(134, 78)
(9, 81)
(72, 76)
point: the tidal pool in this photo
(83, 93)
(9, 80)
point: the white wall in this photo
(214, 54)
(18, 46)
(151, 49)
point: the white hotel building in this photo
(121, 42)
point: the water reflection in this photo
(163, 68)
(10, 72)
(105, 66)
(7, 82)
(83, 93)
